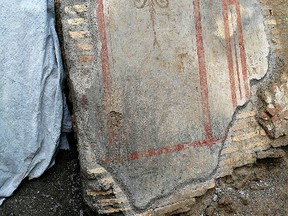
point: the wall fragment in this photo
(148, 78)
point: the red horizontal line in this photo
(162, 151)
(171, 149)
(208, 143)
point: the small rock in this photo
(244, 200)
(225, 200)
(218, 191)
(230, 209)
(229, 180)
(215, 198)
(210, 210)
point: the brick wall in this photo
(247, 137)
(276, 21)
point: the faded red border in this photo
(202, 73)
(202, 70)
(104, 54)
(225, 7)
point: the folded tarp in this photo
(32, 104)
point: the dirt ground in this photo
(260, 189)
(57, 192)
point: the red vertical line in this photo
(104, 54)
(202, 70)
(229, 53)
(237, 68)
(242, 51)
(237, 63)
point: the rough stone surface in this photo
(272, 109)
(146, 78)
(271, 153)
(274, 114)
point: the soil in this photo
(259, 189)
(57, 192)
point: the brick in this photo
(113, 191)
(114, 210)
(246, 115)
(238, 160)
(86, 58)
(84, 47)
(100, 193)
(284, 115)
(99, 170)
(78, 34)
(106, 181)
(80, 8)
(275, 21)
(75, 9)
(252, 146)
(246, 136)
(243, 125)
(271, 153)
(278, 31)
(270, 22)
(264, 116)
(108, 202)
(76, 21)
(262, 132)
(69, 10)
(176, 208)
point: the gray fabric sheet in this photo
(32, 105)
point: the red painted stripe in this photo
(104, 54)
(230, 2)
(237, 69)
(163, 151)
(202, 70)
(242, 50)
(229, 52)
(208, 143)
(171, 149)
(237, 63)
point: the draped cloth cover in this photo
(33, 113)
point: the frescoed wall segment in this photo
(156, 84)
(171, 84)
(148, 69)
